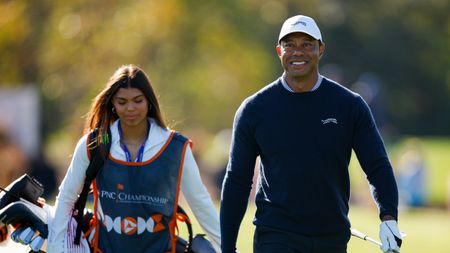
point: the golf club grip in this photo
(360, 235)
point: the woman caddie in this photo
(136, 191)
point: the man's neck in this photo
(301, 84)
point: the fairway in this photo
(428, 230)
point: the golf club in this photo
(361, 235)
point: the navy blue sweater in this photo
(304, 141)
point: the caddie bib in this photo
(137, 201)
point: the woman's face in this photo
(131, 106)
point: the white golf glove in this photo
(390, 237)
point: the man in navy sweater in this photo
(303, 127)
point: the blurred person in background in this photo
(303, 126)
(44, 172)
(147, 165)
(412, 175)
(13, 164)
(13, 161)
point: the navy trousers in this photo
(269, 240)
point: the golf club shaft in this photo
(364, 237)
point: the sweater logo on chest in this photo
(329, 120)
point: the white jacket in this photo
(194, 191)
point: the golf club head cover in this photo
(201, 245)
(34, 222)
(391, 239)
(24, 213)
(23, 235)
(25, 187)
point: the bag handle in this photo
(182, 216)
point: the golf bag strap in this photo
(182, 216)
(96, 163)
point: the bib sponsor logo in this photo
(131, 225)
(122, 197)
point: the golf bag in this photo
(194, 244)
(20, 209)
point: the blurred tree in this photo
(205, 57)
(21, 25)
(406, 43)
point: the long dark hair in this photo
(101, 116)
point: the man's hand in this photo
(390, 237)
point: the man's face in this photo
(299, 55)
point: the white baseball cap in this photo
(300, 23)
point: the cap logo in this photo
(299, 22)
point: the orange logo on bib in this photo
(132, 226)
(129, 225)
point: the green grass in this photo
(428, 230)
